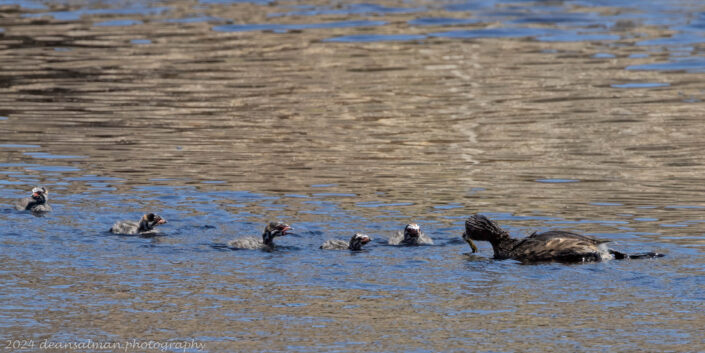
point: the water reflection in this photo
(686, 64)
(342, 118)
(282, 28)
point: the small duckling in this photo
(355, 244)
(412, 236)
(36, 203)
(145, 227)
(553, 245)
(271, 231)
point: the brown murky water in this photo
(342, 117)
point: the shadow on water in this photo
(339, 118)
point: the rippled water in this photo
(339, 117)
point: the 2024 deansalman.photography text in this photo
(125, 346)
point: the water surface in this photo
(342, 117)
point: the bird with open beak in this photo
(145, 226)
(35, 203)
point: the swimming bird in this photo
(355, 244)
(412, 236)
(35, 203)
(271, 231)
(554, 245)
(145, 227)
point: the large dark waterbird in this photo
(553, 245)
(35, 203)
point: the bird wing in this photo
(557, 248)
(396, 238)
(21, 204)
(124, 227)
(425, 239)
(245, 243)
(559, 234)
(334, 244)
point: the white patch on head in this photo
(413, 226)
(37, 189)
(361, 236)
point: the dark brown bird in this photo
(553, 245)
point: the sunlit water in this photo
(342, 117)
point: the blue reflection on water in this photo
(441, 21)
(695, 64)
(118, 23)
(222, 2)
(196, 19)
(515, 32)
(578, 36)
(348, 9)
(11, 145)
(376, 38)
(678, 39)
(25, 4)
(641, 85)
(77, 14)
(44, 155)
(302, 26)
